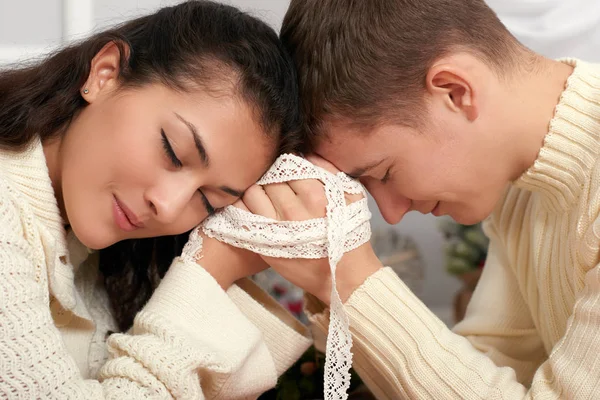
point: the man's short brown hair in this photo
(365, 61)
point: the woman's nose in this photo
(169, 198)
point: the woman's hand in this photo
(226, 263)
(302, 200)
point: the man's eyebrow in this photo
(197, 140)
(358, 172)
(233, 192)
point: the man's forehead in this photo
(349, 155)
(335, 137)
(339, 147)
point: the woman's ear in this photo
(104, 72)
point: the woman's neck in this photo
(52, 149)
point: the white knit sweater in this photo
(192, 340)
(532, 329)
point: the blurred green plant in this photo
(466, 247)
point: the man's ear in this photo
(449, 81)
(104, 72)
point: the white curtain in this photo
(554, 28)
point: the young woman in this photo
(122, 144)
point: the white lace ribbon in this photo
(344, 228)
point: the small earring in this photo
(85, 91)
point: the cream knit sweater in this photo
(191, 341)
(532, 330)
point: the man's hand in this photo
(303, 200)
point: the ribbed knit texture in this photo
(191, 341)
(532, 329)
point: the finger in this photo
(287, 204)
(240, 204)
(352, 198)
(326, 165)
(257, 202)
(323, 163)
(311, 193)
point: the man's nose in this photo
(392, 206)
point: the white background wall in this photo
(28, 26)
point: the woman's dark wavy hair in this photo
(194, 44)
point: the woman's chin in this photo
(93, 238)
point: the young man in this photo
(435, 107)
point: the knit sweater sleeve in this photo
(402, 350)
(190, 340)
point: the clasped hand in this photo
(291, 201)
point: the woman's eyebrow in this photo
(197, 140)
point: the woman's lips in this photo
(124, 218)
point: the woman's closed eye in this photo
(170, 153)
(169, 150)
(209, 208)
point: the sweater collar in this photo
(571, 146)
(29, 174)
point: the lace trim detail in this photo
(344, 228)
(192, 251)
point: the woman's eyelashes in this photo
(169, 150)
(209, 208)
(166, 144)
